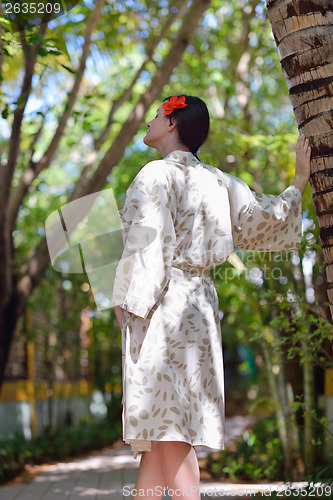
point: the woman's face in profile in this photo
(157, 129)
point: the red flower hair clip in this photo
(174, 103)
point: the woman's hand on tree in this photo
(303, 154)
(302, 169)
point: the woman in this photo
(173, 392)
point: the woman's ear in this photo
(172, 123)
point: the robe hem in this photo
(139, 446)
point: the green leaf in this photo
(68, 68)
(5, 113)
(42, 52)
(55, 52)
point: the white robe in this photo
(173, 385)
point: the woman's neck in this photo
(169, 148)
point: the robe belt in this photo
(139, 445)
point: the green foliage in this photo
(16, 451)
(233, 65)
(303, 325)
(258, 455)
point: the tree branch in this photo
(148, 57)
(30, 56)
(90, 160)
(92, 23)
(37, 134)
(1, 52)
(25, 181)
(155, 88)
(33, 269)
(35, 168)
(7, 171)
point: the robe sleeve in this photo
(149, 241)
(263, 222)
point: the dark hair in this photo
(192, 122)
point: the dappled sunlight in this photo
(91, 492)
(106, 475)
(102, 463)
(193, 241)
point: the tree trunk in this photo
(295, 444)
(279, 410)
(303, 32)
(309, 406)
(31, 272)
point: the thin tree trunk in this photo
(279, 413)
(279, 408)
(282, 394)
(303, 32)
(35, 168)
(295, 444)
(309, 406)
(7, 171)
(163, 74)
(91, 159)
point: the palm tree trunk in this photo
(303, 32)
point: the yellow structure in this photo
(329, 382)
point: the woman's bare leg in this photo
(151, 477)
(171, 464)
(181, 469)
